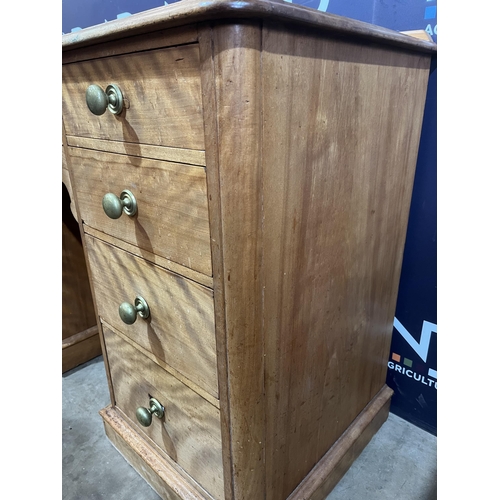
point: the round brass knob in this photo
(114, 206)
(145, 415)
(128, 312)
(98, 101)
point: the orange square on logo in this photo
(396, 357)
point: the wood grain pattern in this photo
(341, 134)
(158, 39)
(78, 312)
(214, 208)
(84, 246)
(238, 93)
(190, 429)
(191, 11)
(80, 348)
(318, 484)
(162, 91)
(176, 155)
(172, 211)
(163, 475)
(178, 375)
(79, 337)
(180, 329)
(187, 272)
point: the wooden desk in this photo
(270, 150)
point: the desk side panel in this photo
(341, 129)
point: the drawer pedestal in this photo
(269, 152)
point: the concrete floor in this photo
(399, 463)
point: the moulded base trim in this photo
(329, 470)
(162, 476)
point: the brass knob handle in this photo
(145, 415)
(114, 206)
(128, 312)
(98, 101)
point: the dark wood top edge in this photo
(194, 11)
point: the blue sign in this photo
(415, 324)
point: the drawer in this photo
(180, 329)
(162, 94)
(172, 206)
(189, 431)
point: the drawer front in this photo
(162, 93)
(180, 329)
(189, 431)
(172, 206)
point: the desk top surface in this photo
(194, 11)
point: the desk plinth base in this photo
(337, 460)
(170, 484)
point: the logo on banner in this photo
(406, 366)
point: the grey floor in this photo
(399, 462)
